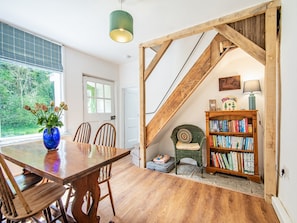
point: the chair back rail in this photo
(83, 133)
(6, 192)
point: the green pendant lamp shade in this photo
(121, 26)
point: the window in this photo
(99, 97)
(23, 85)
(30, 71)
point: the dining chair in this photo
(82, 135)
(106, 136)
(23, 205)
(25, 180)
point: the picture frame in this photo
(229, 83)
(212, 105)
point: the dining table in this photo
(72, 162)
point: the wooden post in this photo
(270, 176)
(142, 145)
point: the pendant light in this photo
(121, 26)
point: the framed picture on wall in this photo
(229, 83)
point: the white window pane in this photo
(107, 106)
(91, 105)
(99, 90)
(100, 106)
(90, 89)
(107, 91)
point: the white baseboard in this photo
(280, 211)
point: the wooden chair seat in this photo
(37, 198)
(26, 181)
(20, 205)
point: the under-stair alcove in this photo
(235, 30)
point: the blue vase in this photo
(51, 139)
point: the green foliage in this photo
(21, 85)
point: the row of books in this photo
(231, 142)
(230, 126)
(235, 161)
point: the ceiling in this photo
(84, 24)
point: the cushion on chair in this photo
(187, 146)
(184, 135)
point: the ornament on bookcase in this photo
(229, 103)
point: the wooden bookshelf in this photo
(232, 143)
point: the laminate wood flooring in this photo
(141, 195)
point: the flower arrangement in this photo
(48, 116)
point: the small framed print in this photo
(212, 105)
(229, 83)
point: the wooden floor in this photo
(142, 195)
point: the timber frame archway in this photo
(264, 48)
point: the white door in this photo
(98, 102)
(131, 117)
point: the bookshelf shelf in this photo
(232, 143)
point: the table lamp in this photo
(252, 86)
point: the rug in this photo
(226, 181)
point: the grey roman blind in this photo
(24, 47)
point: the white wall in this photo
(76, 64)
(236, 62)
(287, 194)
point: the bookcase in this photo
(232, 143)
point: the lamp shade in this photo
(251, 86)
(121, 26)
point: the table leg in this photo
(82, 186)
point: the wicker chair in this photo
(188, 141)
(23, 205)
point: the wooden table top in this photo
(71, 161)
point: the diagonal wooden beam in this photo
(244, 43)
(156, 58)
(185, 88)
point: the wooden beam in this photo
(240, 15)
(270, 175)
(199, 71)
(157, 58)
(241, 41)
(142, 141)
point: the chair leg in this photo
(110, 197)
(68, 197)
(63, 213)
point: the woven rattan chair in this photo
(23, 205)
(189, 149)
(82, 134)
(106, 136)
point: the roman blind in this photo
(27, 48)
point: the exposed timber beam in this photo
(237, 16)
(244, 43)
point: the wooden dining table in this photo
(75, 163)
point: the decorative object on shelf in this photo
(121, 26)
(251, 87)
(229, 103)
(212, 105)
(229, 83)
(49, 118)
